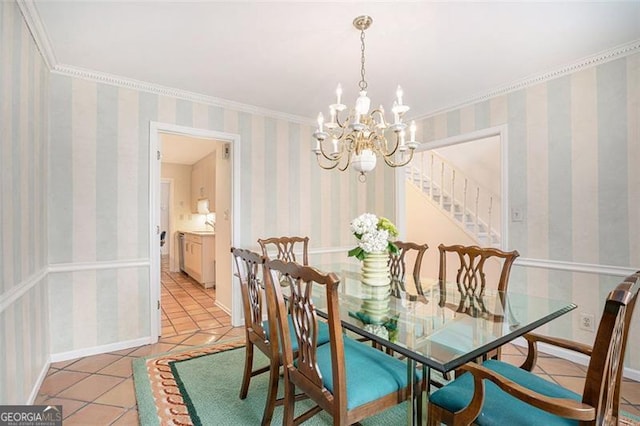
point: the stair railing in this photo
(445, 189)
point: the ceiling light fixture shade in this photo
(359, 138)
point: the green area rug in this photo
(201, 387)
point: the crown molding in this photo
(34, 23)
(587, 62)
(32, 18)
(129, 83)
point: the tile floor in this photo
(99, 390)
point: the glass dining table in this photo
(434, 324)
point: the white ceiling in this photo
(289, 56)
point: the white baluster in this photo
(431, 178)
(477, 201)
(464, 203)
(453, 192)
(489, 224)
(442, 185)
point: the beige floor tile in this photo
(156, 348)
(559, 366)
(179, 338)
(69, 406)
(209, 324)
(200, 339)
(575, 384)
(179, 321)
(91, 387)
(631, 392)
(120, 368)
(516, 360)
(94, 414)
(94, 363)
(127, 419)
(122, 395)
(61, 380)
(63, 364)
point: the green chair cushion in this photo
(499, 407)
(323, 332)
(371, 373)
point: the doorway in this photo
(466, 173)
(226, 227)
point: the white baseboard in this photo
(36, 386)
(572, 356)
(223, 307)
(95, 350)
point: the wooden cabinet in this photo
(199, 258)
(203, 182)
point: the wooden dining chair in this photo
(398, 266)
(499, 393)
(286, 248)
(471, 278)
(347, 379)
(258, 331)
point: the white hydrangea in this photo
(374, 241)
(364, 224)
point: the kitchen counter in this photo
(199, 256)
(199, 232)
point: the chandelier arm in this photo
(380, 112)
(337, 157)
(392, 163)
(330, 167)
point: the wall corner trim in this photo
(32, 18)
(14, 293)
(36, 386)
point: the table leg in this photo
(411, 379)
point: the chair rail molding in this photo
(588, 268)
(17, 291)
(93, 266)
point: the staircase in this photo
(469, 204)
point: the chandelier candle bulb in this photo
(399, 94)
(339, 93)
(412, 131)
(320, 122)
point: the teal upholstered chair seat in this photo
(323, 333)
(371, 373)
(499, 407)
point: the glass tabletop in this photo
(436, 324)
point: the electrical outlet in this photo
(587, 322)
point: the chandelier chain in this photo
(363, 82)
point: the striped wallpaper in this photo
(573, 152)
(98, 198)
(24, 318)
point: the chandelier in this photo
(359, 138)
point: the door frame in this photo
(170, 223)
(155, 128)
(500, 131)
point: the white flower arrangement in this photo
(374, 234)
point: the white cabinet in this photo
(203, 185)
(199, 257)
